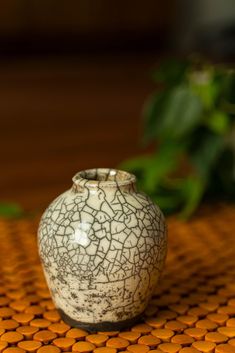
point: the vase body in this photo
(103, 246)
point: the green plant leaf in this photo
(193, 189)
(168, 203)
(227, 98)
(195, 110)
(165, 161)
(218, 122)
(136, 164)
(10, 210)
(152, 112)
(204, 84)
(207, 152)
(171, 72)
(182, 113)
(229, 86)
(223, 182)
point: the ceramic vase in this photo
(103, 246)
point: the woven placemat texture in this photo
(192, 310)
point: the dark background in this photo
(74, 76)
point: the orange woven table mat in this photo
(193, 308)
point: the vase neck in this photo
(104, 178)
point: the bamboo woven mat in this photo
(193, 308)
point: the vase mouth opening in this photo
(103, 177)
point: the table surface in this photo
(192, 310)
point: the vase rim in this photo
(103, 177)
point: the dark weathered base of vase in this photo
(101, 326)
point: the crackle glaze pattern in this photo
(103, 246)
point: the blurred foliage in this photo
(190, 120)
(10, 210)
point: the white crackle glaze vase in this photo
(103, 246)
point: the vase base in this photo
(101, 326)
